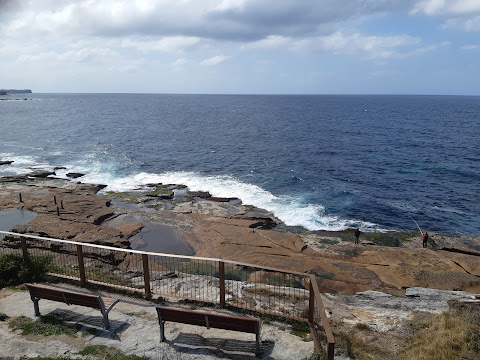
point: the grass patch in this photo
(108, 353)
(356, 347)
(301, 329)
(47, 325)
(445, 336)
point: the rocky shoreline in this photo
(226, 228)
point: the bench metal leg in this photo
(106, 324)
(35, 306)
(162, 330)
(257, 340)
(104, 312)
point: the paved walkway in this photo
(135, 330)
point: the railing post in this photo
(146, 276)
(81, 266)
(330, 350)
(24, 248)
(221, 275)
(311, 301)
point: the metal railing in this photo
(262, 289)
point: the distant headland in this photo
(15, 91)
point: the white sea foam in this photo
(22, 164)
(293, 211)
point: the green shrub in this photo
(15, 270)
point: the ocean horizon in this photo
(321, 162)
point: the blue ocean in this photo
(326, 162)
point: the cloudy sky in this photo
(241, 46)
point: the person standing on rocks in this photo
(425, 239)
(357, 235)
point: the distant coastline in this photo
(15, 91)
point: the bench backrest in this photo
(225, 322)
(68, 297)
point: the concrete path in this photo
(135, 330)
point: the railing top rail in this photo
(130, 251)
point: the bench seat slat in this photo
(109, 301)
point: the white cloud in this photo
(75, 56)
(429, 7)
(215, 60)
(466, 24)
(447, 7)
(179, 62)
(375, 47)
(130, 69)
(461, 14)
(227, 5)
(166, 44)
(470, 47)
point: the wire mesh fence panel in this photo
(184, 278)
(107, 266)
(10, 244)
(62, 257)
(271, 292)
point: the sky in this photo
(241, 46)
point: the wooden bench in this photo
(104, 304)
(219, 321)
